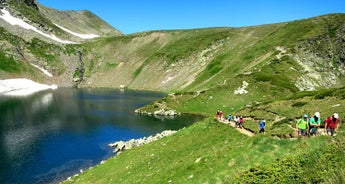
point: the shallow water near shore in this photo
(49, 136)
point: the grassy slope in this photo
(252, 56)
(206, 152)
(210, 152)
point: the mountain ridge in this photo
(237, 31)
(45, 20)
(301, 55)
(29, 38)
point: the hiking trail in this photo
(232, 124)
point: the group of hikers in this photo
(237, 119)
(304, 126)
(310, 126)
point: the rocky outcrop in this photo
(242, 90)
(322, 59)
(31, 3)
(125, 145)
(161, 112)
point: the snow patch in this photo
(22, 87)
(6, 16)
(242, 89)
(43, 70)
(83, 36)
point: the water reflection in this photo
(49, 136)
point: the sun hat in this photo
(335, 115)
(317, 114)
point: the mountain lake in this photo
(51, 135)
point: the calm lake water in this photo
(51, 135)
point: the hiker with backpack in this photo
(332, 124)
(262, 125)
(314, 123)
(302, 125)
(236, 119)
(229, 117)
(240, 124)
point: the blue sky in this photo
(131, 16)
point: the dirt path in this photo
(242, 130)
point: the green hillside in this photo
(286, 70)
(201, 59)
(212, 152)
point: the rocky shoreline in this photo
(161, 112)
(121, 146)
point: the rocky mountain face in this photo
(323, 58)
(32, 34)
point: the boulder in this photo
(119, 146)
(163, 112)
(125, 145)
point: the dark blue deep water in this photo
(51, 135)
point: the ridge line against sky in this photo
(131, 16)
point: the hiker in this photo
(240, 122)
(236, 119)
(229, 117)
(314, 123)
(217, 114)
(262, 124)
(332, 124)
(302, 125)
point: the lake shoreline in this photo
(120, 146)
(77, 124)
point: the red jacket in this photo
(330, 123)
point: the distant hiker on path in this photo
(240, 122)
(262, 125)
(221, 115)
(236, 119)
(332, 124)
(314, 123)
(302, 125)
(218, 113)
(229, 117)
